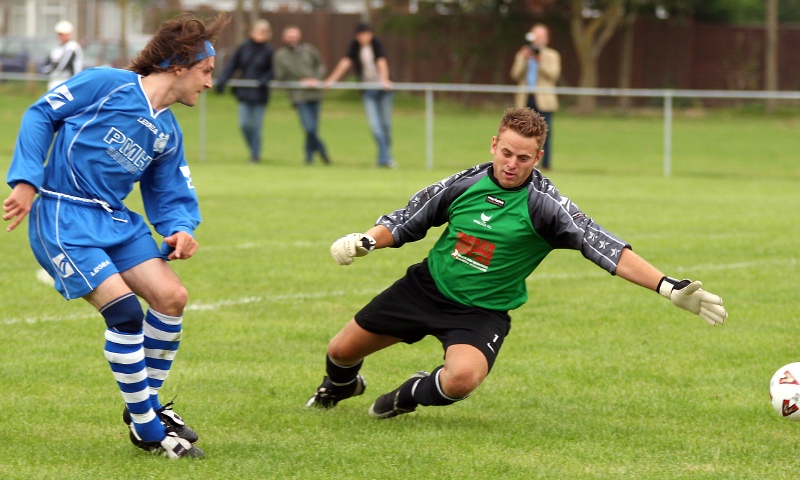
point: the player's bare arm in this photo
(685, 294)
(635, 269)
(18, 204)
(341, 67)
(383, 237)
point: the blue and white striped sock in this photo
(125, 355)
(162, 337)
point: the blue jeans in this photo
(378, 106)
(309, 119)
(251, 121)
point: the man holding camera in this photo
(537, 65)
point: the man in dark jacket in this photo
(252, 61)
(297, 61)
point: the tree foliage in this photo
(472, 33)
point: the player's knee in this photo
(171, 300)
(342, 349)
(124, 314)
(341, 355)
(460, 382)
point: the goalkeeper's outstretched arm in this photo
(383, 237)
(685, 294)
(347, 248)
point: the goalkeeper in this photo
(503, 218)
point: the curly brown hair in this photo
(179, 40)
(526, 122)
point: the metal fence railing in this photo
(667, 97)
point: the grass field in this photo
(598, 379)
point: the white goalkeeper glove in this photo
(350, 246)
(689, 296)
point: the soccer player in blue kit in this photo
(113, 128)
(503, 218)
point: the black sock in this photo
(340, 375)
(425, 391)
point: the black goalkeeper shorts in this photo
(413, 308)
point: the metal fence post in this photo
(203, 110)
(429, 127)
(667, 132)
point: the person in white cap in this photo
(65, 60)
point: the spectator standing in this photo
(252, 60)
(368, 56)
(537, 65)
(66, 59)
(296, 61)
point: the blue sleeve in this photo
(168, 194)
(43, 119)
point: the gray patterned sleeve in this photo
(428, 207)
(559, 221)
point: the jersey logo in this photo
(160, 143)
(475, 252)
(484, 221)
(63, 265)
(148, 124)
(126, 152)
(59, 97)
(495, 201)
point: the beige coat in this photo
(549, 71)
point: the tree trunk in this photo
(123, 31)
(626, 60)
(239, 23)
(588, 79)
(255, 13)
(589, 37)
(771, 60)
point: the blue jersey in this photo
(109, 136)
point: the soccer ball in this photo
(784, 391)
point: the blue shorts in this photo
(80, 243)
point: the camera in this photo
(534, 49)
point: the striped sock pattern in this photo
(125, 355)
(162, 336)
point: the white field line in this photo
(196, 306)
(212, 306)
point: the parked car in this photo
(107, 52)
(25, 54)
